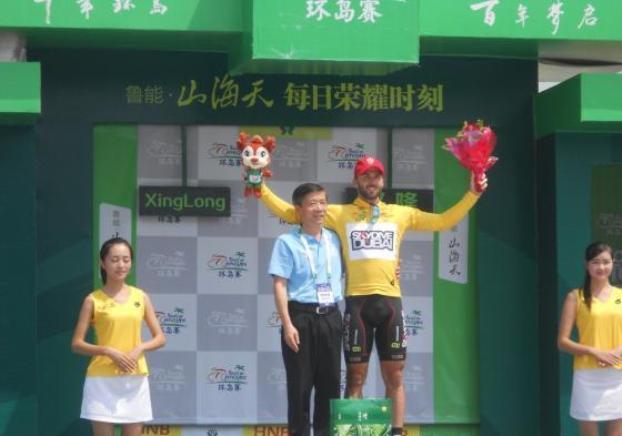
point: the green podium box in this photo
(361, 417)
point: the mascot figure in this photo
(255, 154)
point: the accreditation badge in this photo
(324, 294)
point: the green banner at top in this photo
(336, 30)
(524, 19)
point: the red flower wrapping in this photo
(473, 146)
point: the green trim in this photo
(456, 361)
(115, 157)
(585, 103)
(20, 92)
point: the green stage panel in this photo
(20, 92)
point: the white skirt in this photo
(121, 400)
(596, 394)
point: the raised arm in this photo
(278, 206)
(446, 220)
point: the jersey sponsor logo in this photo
(372, 240)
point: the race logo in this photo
(346, 156)
(291, 155)
(227, 155)
(165, 153)
(372, 241)
(231, 379)
(239, 213)
(413, 323)
(167, 265)
(173, 323)
(414, 378)
(276, 376)
(168, 380)
(411, 267)
(228, 323)
(274, 320)
(229, 267)
(409, 159)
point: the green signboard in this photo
(522, 19)
(186, 201)
(336, 30)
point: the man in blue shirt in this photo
(307, 271)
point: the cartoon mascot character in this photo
(255, 154)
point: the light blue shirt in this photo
(289, 260)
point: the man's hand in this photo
(479, 183)
(290, 335)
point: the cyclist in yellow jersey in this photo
(596, 310)
(371, 233)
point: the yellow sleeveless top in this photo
(119, 326)
(600, 327)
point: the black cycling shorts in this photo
(373, 316)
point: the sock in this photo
(396, 431)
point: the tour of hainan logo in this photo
(409, 158)
(168, 379)
(167, 265)
(228, 323)
(166, 153)
(345, 156)
(413, 322)
(227, 155)
(277, 376)
(228, 378)
(274, 320)
(239, 212)
(413, 378)
(172, 323)
(228, 267)
(291, 154)
(411, 267)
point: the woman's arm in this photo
(158, 339)
(78, 343)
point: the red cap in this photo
(367, 163)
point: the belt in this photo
(313, 307)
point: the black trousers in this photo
(316, 365)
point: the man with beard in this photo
(371, 233)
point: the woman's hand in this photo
(607, 358)
(125, 362)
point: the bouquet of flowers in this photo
(473, 146)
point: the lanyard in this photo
(327, 247)
(375, 213)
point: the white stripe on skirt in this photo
(596, 394)
(122, 400)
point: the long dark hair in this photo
(591, 251)
(103, 252)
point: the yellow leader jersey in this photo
(371, 250)
(117, 325)
(599, 327)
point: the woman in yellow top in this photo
(116, 389)
(596, 310)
